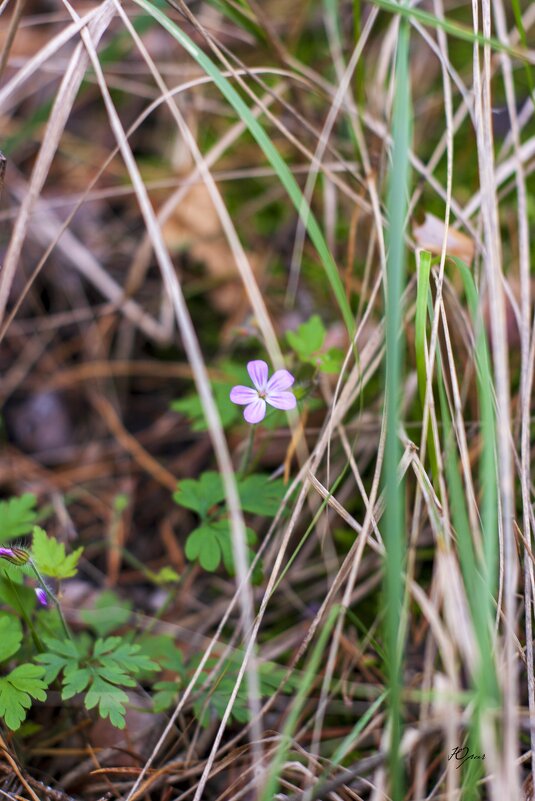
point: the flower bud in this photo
(41, 596)
(17, 556)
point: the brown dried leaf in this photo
(194, 226)
(430, 236)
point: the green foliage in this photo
(13, 592)
(200, 496)
(308, 338)
(257, 494)
(166, 694)
(191, 407)
(17, 517)
(50, 557)
(165, 575)
(211, 542)
(162, 649)
(101, 669)
(110, 666)
(216, 692)
(307, 342)
(108, 614)
(17, 690)
(260, 496)
(10, 635)
(213, 691)
(24, 682)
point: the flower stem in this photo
(52, 597)
(246, 458)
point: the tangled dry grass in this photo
(186, 183)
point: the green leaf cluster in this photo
(257, 494)
(101, 672)
(308, 341)
(215, 691)
(211, 542)
(24, 682)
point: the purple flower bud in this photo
(17, 556)
(41, 596)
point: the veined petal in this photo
(258, 370)
(256, 411)
(281, 379)
(282, 400)
(243, 395)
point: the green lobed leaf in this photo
(212, 542)
(17, 690)
(115, 675)
(203, 545)
(63, 647)
(10, 635)
(53, 664)
(129, 657)
(50, 557)
(75, 680)
(111, 701)
(260, 496)
(200, 495)
(331, 361)
(104, 646)
(17, 516)
(165, 695)
(308, 338)
(101, 669)
(161, 649)
(257, 494)
(109, 613)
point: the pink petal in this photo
(282, 400)
(256, 411)
(243, 395)
(281, 379)
(258, 370)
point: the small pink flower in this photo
(273, 392)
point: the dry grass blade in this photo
(495, 280)
(65, 98)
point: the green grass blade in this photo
(488, 463)
(452, 28)
(394, 528)
(309, 676)
(420, 345)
